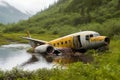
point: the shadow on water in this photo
(65, 58)
(33, 59)
(77, 57)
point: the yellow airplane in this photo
(77, 42)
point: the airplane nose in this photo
(107, 40)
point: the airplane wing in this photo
(35, 40)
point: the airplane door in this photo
(77, 42)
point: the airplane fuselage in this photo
(68, 47)
(81, 40)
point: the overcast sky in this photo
(31, 6)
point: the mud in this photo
(70, 58)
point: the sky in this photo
(31, 6)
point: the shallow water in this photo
(14, 55)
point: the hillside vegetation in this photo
(68, 16)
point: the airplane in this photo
(76, 42)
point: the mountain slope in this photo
(9, 14)
(68, 16)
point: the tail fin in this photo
(34, 42)
(28, 34)
(30, 41)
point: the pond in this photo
(15, 55)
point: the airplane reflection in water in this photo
(71, 45)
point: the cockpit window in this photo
(91, 35)
(96, 34)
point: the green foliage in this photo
(69, 16)
(109, 28)
(106, 65)
(7, 38)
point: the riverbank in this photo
(106, 65)
(15, 55)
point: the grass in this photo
(106, 65)
(7, 38)
(64, 18)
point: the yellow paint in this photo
(72, 40)
(99, 38)
(63, 42)
(67, 41)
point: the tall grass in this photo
(106, 66)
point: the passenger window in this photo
(62, 43)
(65, 42)
(58, 44)
(87, 37)
(69, 41)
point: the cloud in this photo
(31, 6)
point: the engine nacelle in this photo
(44, 49)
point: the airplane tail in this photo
(30, 41)
(34, 42)
(28, 34)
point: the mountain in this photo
(68, 16)
(9, 14)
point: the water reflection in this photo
(15, 55)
